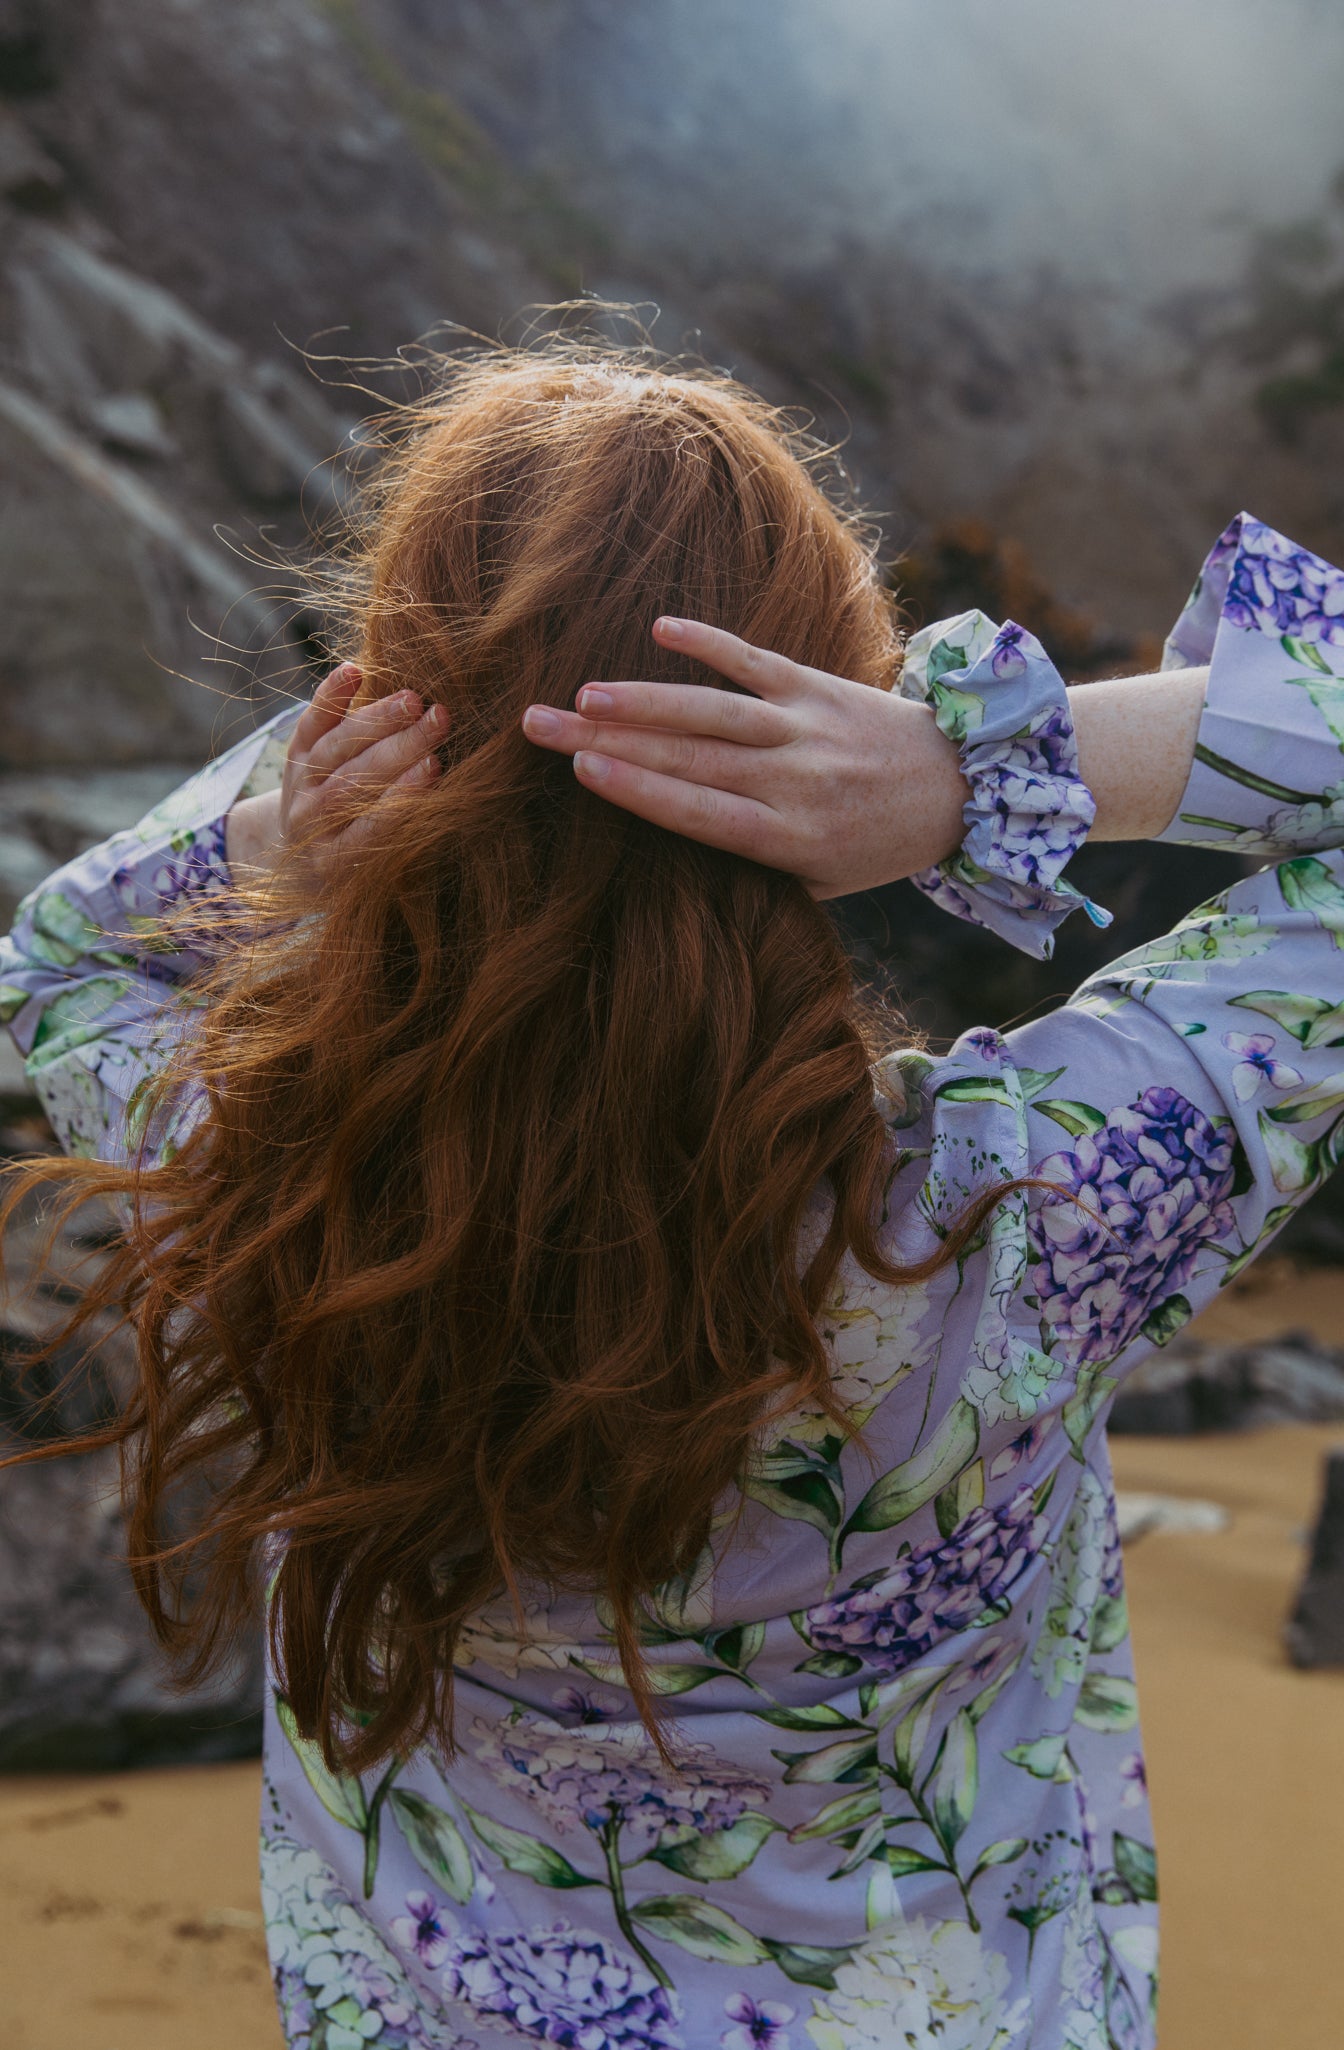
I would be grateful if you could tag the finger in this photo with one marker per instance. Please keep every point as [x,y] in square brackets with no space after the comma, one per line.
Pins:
[689,708]
[716,818]
[326,708]
[721,764]
[384,761]
[756,669]
[421,775]
[361,729]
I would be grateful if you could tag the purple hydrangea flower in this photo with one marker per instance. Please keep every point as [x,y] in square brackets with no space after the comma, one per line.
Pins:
[563,1986]
[424,1929]
[1257,1064]
[892,1619]
[1276,587]
[1148,1190]
[761,2024]
[606,1773]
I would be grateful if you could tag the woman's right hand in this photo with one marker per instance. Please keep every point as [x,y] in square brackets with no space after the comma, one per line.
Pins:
[844,785]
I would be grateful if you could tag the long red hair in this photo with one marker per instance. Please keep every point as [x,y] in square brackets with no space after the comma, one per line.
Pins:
[481,1266]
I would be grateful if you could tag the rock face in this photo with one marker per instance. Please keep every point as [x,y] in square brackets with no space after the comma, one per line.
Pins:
[82,1683]
[1198,1387]
[1315,1631]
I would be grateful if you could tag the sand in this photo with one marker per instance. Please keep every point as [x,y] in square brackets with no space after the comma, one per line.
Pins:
[128,1901]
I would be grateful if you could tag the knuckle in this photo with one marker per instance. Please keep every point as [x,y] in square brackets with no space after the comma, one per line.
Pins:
[704,805]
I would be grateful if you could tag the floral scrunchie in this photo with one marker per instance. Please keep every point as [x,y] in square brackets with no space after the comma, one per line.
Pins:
[995,691]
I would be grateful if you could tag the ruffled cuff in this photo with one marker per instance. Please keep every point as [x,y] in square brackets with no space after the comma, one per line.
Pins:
[995,691]
[1268,772]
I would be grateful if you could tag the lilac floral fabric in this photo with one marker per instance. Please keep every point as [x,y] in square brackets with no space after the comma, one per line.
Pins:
[909,1805]
[996,693]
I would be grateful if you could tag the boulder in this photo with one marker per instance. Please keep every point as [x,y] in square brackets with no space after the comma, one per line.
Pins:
[1201,1387]
[1315,1630]
[82,1683]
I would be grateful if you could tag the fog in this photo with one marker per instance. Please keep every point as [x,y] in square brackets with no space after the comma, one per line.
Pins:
[1130,147]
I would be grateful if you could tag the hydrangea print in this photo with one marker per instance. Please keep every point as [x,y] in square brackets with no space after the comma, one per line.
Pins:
[1035,828]
[926,1986]
[1276,587]
[562,1985]
[1077,1575]
[610,1773]
[337,1984]
[890,1620]
[1147,1191]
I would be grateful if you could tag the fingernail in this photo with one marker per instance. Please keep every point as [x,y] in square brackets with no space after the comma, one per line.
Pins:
[408,702]
[595,767]
[539,723]
[347,675]
[671,629]
[436,718]
[593,701]
[430,767]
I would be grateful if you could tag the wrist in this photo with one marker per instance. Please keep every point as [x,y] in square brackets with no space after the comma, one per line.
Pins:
[252,836]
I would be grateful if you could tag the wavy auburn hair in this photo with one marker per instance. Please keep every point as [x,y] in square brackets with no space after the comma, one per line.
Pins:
[482,1263]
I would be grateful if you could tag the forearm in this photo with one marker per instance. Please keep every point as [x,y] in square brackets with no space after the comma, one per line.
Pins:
[1136,743]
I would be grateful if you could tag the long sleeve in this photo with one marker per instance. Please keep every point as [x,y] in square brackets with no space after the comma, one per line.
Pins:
[94,999]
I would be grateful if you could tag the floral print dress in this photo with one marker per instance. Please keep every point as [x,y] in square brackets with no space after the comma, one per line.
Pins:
[909,1808]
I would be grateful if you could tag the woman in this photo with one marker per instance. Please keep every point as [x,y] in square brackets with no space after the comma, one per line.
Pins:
[677,1447]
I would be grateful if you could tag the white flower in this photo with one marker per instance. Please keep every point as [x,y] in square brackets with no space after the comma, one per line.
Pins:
[924,1986]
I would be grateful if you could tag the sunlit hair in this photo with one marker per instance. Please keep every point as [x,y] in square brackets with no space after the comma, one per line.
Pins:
[484,1263]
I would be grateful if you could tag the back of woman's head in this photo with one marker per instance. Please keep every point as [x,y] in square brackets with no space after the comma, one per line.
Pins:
[487,1259]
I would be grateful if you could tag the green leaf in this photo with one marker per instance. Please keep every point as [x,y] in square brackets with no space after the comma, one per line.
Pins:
[12,1001]
[699,1927]
[809,1964]
[1312,1020]
[912,1732]
[1078,1119]
[1294,1164]
[1107,1701]
[435,1842]
[820,1717]
[1310,657]
[966,1493]
[1110,1623]
[664,1679]
[1165,1319]
[1312,1101]
[1034,1080]
[849,1811]
[1005,1852]
[738,1646]
[340,1795]
[956,1778]
[721,1856]
[831,1665]
[903,1861]
[1137,1865]
[806,1498]
[908,1487]
[859,1847]
[526,1854]
[1083,1408]
[976,1089]
[845,1760]
[1042,1758]
[1308,885]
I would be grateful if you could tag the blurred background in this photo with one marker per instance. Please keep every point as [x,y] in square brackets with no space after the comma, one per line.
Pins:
[1067,287]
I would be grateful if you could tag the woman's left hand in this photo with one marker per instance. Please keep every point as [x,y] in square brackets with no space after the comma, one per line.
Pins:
[844,785]
[338,758]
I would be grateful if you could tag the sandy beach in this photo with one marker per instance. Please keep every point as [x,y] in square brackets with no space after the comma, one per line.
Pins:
[129,1901]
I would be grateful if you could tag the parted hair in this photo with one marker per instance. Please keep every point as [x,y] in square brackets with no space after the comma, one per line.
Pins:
[486,1257]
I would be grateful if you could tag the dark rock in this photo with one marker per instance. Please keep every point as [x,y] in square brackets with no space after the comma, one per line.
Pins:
[82,1683]
[1199,1387]
[1315,1631]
